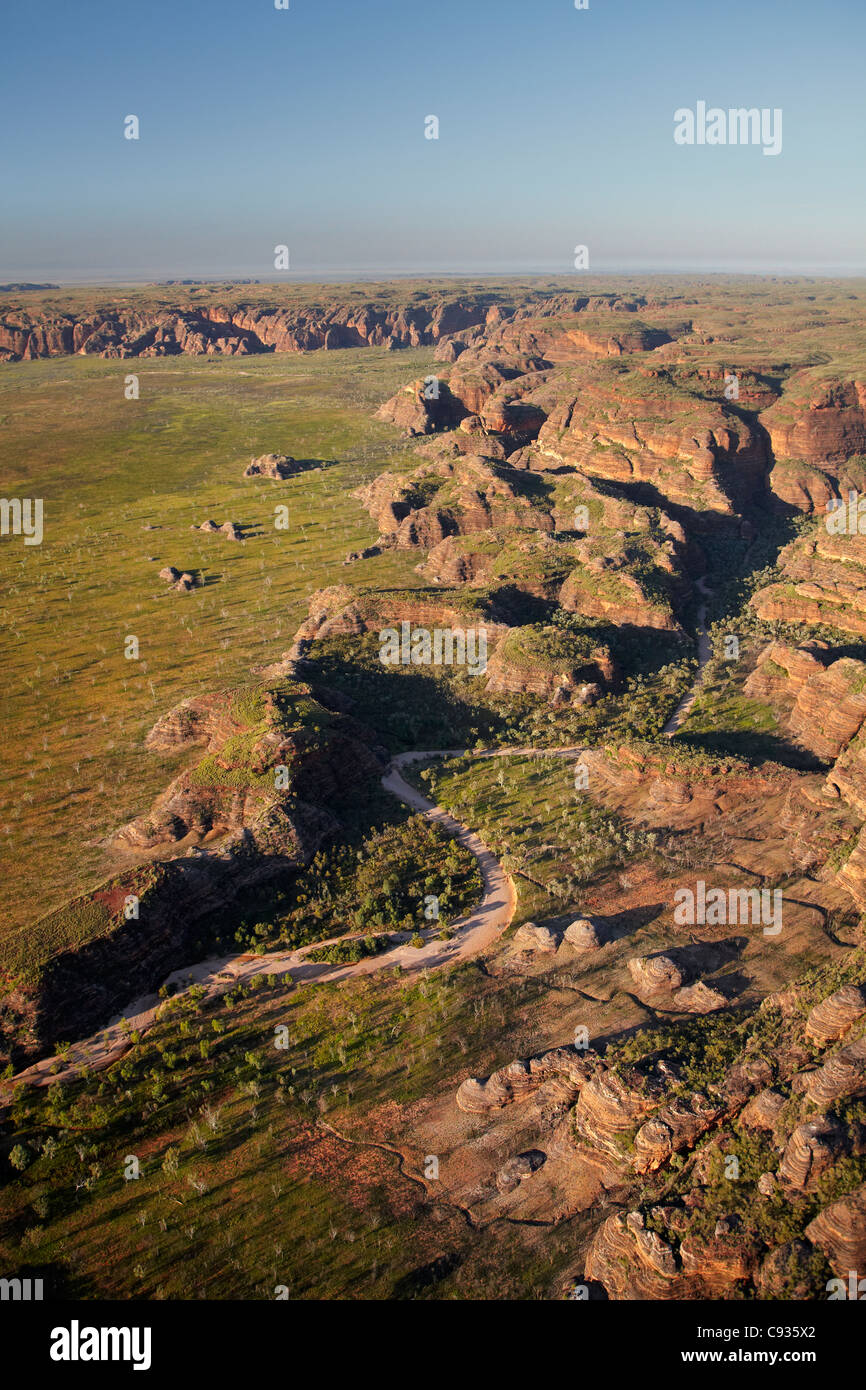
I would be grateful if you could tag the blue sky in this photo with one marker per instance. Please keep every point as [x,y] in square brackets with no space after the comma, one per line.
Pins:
[306,127]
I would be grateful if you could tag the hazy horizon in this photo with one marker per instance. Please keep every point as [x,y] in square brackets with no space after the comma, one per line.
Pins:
[381,275]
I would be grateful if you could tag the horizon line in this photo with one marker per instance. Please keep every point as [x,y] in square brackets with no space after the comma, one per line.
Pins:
[342,275]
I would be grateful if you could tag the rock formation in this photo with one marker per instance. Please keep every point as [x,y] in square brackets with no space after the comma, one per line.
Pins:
[271,466]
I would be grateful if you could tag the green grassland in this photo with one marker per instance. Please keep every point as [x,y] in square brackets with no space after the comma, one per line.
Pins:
[549,836]
[75,710]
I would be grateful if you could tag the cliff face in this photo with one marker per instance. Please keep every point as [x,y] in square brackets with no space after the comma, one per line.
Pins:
[821,701]
[116,331]
[817,436]
[824,701]
[818,420]
[258,746]
[645,430]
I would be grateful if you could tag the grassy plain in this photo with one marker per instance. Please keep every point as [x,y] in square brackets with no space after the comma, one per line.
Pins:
[75,709]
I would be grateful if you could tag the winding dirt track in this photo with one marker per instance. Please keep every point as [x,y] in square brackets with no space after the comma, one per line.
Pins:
[472,934]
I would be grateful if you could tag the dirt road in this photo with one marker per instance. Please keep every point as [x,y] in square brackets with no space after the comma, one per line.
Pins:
[471,935]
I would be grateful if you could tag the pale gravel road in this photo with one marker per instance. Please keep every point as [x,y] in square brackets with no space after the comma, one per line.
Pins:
[472,935]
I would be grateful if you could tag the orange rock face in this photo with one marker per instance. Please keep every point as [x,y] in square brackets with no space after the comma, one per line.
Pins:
[828,424]
[826,704]
[823,583]
[840,1231]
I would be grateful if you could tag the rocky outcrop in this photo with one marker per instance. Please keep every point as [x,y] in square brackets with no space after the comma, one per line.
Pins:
[583,935]
[675,1127]
[654,974]
[451,497]
[520,1079]
[831,1019]
[645,430]
[422,407]
[183,582]
[543,662]
[340,611]
[245,788]
[521,559]
[763,1110]
[811,1151]
[630,1260]
[825,704]
[699,1211]
[823,582]
[633,1261]
[611,1107]
[532,937]
[846,777]
[276,466]
[699,998]
[840,1231]
[512,1083]
[843,1075]
[516,1170]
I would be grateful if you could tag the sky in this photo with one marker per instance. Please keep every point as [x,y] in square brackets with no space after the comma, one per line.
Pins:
[305,127]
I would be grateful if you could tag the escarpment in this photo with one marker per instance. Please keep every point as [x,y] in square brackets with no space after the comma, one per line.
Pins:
[237,329]
[821,419]
[168,320]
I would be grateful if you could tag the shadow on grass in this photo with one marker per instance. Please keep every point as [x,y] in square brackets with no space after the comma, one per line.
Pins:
[753,746]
